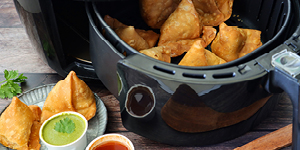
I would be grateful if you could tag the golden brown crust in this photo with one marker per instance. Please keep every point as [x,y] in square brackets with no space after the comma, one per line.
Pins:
[136,38]
[70,94]
[149,36]
[232,42]
[225,6]
[195,56]
[156,12]
[209,12]
[34,140]
[208,34]
[252,43]
[15,125]
[182,24]
[132,38]
[229,42]
[161,53]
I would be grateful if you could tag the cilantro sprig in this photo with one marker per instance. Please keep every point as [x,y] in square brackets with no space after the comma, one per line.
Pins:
[65,125]
[10,87]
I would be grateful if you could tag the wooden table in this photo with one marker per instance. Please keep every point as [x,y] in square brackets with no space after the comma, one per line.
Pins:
[280,117]
[16,53]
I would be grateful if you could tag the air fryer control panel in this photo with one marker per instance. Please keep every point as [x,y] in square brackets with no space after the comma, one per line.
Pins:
[287,61]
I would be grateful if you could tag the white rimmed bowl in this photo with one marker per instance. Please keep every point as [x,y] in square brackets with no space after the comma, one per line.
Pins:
[78,144]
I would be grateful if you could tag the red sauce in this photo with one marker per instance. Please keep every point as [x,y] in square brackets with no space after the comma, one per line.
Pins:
[111,145]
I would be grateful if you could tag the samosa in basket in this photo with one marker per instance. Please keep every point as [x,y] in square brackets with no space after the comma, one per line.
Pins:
[15,125]
[199,56]
[182,24]
[70,94]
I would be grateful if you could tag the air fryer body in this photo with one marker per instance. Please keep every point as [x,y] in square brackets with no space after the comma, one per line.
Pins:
[59,32]
[172,104]
[190,112]
[192,106]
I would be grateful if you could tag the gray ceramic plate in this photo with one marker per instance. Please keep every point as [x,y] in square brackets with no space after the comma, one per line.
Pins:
[38,95]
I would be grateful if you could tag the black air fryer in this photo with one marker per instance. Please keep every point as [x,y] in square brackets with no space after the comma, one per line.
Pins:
[59,32]
[165,102]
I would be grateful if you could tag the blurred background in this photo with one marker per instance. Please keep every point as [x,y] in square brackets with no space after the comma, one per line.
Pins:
[16,52]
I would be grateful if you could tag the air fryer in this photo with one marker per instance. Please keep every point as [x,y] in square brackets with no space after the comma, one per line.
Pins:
[165,102]
[59,32]
[194,106]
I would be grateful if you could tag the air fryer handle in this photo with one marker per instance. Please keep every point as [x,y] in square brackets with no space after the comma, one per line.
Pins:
[291,86]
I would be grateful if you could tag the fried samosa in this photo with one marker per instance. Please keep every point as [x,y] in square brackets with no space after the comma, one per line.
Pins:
[228,42]
[208,34]
[225,6]
[195,56]
[156,12]
[213,59]
[213,12]
[209,12]
[179,47]
[149,36]
[253,41]
[161,53]
[232,42]
[34,140]
[70,94]
[132,38]
[182,24]
[199,56]
[136,38]
[15,125]
[113,23]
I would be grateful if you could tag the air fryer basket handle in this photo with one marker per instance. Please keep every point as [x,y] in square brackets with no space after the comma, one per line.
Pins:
[291,86]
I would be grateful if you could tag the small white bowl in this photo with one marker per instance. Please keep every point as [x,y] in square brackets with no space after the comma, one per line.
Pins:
[110,137]
[78,144]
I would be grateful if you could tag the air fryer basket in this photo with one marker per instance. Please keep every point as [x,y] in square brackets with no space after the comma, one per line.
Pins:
[236,95]
[270,17]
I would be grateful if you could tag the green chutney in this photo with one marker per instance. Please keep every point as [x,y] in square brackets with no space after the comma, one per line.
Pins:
[54,137]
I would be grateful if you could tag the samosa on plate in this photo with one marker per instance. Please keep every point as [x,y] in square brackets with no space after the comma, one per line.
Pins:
[15,125]
[70,94]
[34,139]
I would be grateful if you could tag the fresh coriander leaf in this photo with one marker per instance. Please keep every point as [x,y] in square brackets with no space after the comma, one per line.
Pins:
[65,125]
[2,94]
[6,90]
[10,86]
[10,74]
